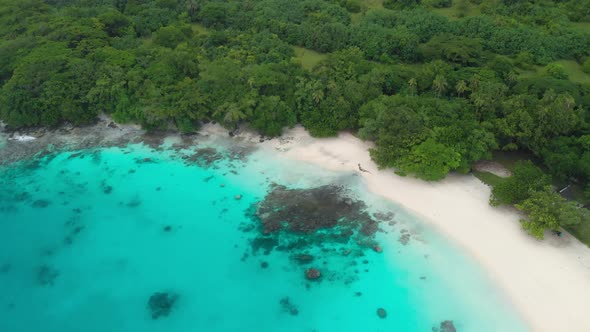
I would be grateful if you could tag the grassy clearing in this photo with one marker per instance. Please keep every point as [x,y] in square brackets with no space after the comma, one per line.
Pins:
[509,159]
[581,232]
[574,71]
[487,178]
[454,12]
[307,57]
[367,5]
[372,3]
[581,26]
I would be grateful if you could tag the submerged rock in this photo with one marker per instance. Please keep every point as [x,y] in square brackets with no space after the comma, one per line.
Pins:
[404,238]
[312,274]
[303,258]
[107,189]
[5,268]
[205,157]
[288,306]
[382,216]
[381,313]
[377,248]
[267,244]
[161,304]
[41,203]
[445,326]
[46,275]
[134,202]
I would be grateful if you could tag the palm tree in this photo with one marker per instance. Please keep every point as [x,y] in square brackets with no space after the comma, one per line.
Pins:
[568,101]
[474,83]
[439,85]
[413,85]
[232,114]
[317,92]
[461,88]
[512,76]
[192,6]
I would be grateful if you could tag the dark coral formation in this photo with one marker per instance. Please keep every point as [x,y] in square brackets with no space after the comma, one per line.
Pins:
[319,224]
[303,258]
[134,202]
[381,313]
[384,216]
[445,326]
[160,304]
[309,210]
[41,203]
[46,275]
[74,232]
[266,244]
[105,187]
[289,307]
[312,274]
[404,237]
[204,157]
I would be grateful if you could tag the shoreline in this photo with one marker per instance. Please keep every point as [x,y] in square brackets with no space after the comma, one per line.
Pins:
[548,281]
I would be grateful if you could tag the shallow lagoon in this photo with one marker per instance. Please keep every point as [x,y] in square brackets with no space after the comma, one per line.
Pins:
[87,237]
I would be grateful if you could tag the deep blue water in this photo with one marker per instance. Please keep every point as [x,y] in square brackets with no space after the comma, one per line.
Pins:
[86,238]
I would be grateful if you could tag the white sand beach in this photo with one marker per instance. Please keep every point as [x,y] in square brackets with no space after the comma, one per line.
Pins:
[548,281]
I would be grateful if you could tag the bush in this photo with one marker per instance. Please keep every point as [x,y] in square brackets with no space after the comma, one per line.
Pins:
[525,180]
[556,70]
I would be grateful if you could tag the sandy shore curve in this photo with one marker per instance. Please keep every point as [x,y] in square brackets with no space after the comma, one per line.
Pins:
[547,281]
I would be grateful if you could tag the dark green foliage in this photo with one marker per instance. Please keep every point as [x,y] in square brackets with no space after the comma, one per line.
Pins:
[399,4]
[215,14]
[525,180]
[427,137]
[271,115]
[114,23]
[329,102]
[546,210]
[462,50]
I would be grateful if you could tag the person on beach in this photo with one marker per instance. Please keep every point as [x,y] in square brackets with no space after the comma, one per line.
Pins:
[362,169]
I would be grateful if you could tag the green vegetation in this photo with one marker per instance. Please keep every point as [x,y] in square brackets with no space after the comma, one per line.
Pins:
[581,231]
[437,84]
[308,58]
[529,190]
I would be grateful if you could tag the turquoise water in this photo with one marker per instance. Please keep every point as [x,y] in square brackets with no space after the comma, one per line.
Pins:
[86,238]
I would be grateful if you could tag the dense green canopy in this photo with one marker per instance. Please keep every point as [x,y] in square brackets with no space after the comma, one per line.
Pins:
[434,92]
